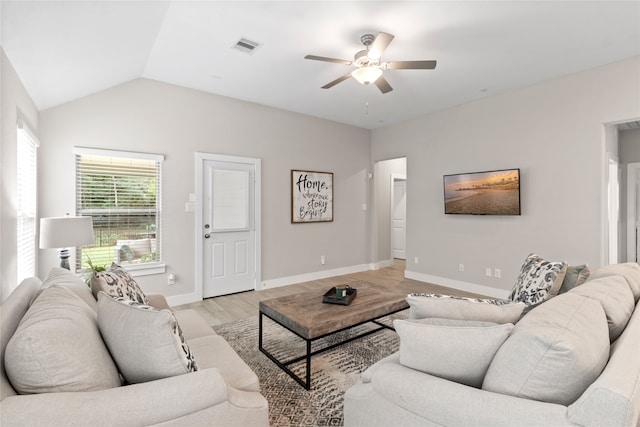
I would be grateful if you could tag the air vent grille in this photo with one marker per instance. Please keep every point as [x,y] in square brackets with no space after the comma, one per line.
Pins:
[246,45]
[629,125]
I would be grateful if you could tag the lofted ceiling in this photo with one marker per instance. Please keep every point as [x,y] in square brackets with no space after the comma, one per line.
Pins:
[66,50]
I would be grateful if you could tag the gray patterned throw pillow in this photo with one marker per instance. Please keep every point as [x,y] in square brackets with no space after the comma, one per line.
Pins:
[117,282]
[538,280]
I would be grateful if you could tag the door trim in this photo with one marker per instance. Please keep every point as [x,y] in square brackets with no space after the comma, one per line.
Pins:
[200,158]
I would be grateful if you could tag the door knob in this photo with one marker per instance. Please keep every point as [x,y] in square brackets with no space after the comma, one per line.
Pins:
[206,236]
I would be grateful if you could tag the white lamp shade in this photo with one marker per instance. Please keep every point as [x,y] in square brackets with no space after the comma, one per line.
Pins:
[367,75]
[66,232]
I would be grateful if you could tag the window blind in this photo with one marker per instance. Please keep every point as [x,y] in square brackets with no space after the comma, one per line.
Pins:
[121,191]
[26,168]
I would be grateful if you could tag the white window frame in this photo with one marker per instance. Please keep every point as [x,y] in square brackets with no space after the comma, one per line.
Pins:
[27,196]
[146,268]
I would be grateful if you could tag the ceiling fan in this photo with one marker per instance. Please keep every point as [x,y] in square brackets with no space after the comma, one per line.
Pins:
[369,67]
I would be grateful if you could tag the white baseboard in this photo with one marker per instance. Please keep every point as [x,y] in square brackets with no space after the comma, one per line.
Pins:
[175,300]
[307,277]
[457,284]
[381,264]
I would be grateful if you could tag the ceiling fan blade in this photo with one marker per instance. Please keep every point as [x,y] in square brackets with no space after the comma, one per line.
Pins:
[411,65]
[383,85]
[379,45]
[322,58]
[336,81]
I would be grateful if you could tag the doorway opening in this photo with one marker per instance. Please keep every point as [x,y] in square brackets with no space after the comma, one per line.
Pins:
[621,210]
[390,194]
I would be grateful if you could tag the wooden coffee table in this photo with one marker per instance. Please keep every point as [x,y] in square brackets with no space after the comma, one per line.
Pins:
[308,317]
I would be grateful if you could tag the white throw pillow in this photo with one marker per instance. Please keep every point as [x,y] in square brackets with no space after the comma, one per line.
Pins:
[454,307]
[554,352]
[457,350]
[538,280]
[57,347]
[146,343]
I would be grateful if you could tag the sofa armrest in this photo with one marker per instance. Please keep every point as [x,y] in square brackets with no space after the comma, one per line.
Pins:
[158,301]
[437,401]
[138,404]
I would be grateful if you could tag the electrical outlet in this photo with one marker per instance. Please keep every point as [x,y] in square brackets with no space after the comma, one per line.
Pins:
[487,271]
[322,259]
[171,279]
[416,260]
[497,273]
[460,267]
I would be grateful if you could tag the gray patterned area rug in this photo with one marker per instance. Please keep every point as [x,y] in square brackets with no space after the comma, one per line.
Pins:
[332,372]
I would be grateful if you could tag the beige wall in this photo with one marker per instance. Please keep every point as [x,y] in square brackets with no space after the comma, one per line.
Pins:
[554,133]
[149,116]
[14,102]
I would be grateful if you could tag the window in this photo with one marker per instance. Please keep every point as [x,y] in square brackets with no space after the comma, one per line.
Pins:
[26,164]
[121,191]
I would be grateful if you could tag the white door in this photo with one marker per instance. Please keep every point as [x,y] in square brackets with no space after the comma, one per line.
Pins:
[228,228]
[399,219]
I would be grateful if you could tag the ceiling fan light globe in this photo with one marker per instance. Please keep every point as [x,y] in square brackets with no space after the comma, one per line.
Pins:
[367,75]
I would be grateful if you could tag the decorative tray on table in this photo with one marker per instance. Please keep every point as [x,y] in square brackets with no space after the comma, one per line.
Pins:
[331,296]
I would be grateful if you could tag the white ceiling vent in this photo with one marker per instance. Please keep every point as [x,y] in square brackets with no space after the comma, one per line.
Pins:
[629,125]
[246,45]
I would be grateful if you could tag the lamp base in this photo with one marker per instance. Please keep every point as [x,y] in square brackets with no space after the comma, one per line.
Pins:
[64,259]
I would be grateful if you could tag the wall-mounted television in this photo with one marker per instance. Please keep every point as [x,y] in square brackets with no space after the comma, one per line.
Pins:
[483,193]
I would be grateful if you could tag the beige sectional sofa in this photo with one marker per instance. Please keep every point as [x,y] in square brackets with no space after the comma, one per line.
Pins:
[78,387]
[574,360]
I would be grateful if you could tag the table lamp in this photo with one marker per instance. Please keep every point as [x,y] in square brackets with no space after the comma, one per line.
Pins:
[65,232]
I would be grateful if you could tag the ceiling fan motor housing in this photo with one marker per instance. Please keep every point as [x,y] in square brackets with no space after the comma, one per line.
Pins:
[362,60]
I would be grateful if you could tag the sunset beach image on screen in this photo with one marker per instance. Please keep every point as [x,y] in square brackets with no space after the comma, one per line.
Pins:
[483,193]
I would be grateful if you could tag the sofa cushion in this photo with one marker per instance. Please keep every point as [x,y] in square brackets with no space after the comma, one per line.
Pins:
[457,350]
[630,271]
[192,324]
[615,296]
[146,343]
[64,277]
[57,347]
[554,352]
[454,307]
[576,275]
[117,282]
[538,280]
[213,351]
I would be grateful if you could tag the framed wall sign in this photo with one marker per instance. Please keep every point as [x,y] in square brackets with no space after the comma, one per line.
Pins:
[311,196]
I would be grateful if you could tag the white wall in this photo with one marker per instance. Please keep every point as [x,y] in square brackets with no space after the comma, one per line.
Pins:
[149,116]
[554,133]
[15,102]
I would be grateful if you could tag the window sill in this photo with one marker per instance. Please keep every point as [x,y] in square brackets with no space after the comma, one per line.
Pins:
[144,269]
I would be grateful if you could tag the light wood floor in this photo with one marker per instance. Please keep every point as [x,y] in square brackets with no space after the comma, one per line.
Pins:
[229,308]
